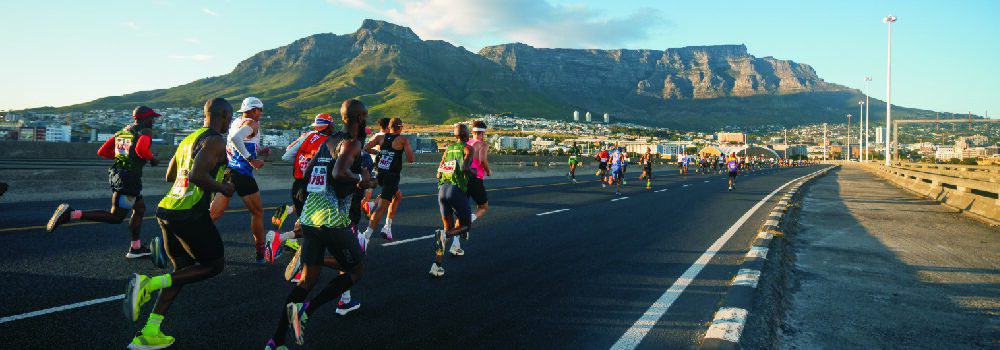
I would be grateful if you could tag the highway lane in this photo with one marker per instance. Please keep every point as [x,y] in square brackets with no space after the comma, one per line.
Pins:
[576,278]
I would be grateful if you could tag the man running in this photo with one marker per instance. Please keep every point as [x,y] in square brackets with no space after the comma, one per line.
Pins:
[242,149]
[325,224]
[602,167]
[647,168]
[685,161]
[733,166]
[130,150]
[479,169]
[453,180]
[573,161]
[617,164]
[389,163]
[190,238]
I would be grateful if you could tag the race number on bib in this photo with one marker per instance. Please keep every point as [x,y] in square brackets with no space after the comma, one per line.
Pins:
[317,180]
[385,160]
[448,167]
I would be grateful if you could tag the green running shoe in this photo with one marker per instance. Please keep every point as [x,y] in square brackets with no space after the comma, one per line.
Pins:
[280,214]
[297,315]
[136,295]
[155,341]
[292,244]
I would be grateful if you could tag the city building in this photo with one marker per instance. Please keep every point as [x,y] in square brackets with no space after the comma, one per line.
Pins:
[576,116]
[513,143]
[607,118]
[588,117]
[731,137]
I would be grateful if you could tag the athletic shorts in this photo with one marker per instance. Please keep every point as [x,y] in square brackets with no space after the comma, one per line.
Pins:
[648,169]
[477,191]
[732,174]
[245,184]
[340,242]
[298,184]
[125,181]
[389,183]
[454,203]
[616,172]
[354,213]
[603,166]
[190,241]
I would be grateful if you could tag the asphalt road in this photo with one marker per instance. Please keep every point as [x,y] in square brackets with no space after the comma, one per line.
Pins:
[574,279]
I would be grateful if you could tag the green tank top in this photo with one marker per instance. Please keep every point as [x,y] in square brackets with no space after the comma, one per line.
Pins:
[184,196]
[572,160]
[452,169]
[328,202]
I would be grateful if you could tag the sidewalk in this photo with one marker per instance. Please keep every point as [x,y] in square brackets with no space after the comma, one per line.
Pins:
[879,268]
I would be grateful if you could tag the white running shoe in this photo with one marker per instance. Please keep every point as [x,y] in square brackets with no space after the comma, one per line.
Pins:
[387,232]
[436,271]
[456,250]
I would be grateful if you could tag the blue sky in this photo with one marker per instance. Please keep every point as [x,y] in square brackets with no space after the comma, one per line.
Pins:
[63,52]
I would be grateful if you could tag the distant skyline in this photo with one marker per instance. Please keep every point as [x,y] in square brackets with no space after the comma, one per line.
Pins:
[58,53]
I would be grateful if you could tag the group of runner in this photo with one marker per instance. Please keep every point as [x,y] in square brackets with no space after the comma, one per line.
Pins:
[334,174]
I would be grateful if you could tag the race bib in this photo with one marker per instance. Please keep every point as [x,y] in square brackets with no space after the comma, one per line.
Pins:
[317,180]
[732,166]
[122,146]
[180,185]
[448,167]
[385,160]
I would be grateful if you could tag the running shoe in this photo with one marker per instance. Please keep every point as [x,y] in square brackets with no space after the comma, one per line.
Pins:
[134,253]
[260,258]
[272,246]
[366,208]
[292,244]
[387,233]
[159,256]
[136,295]
[456,250]
[280,214]
[272,346]
[294,267]
[59,217]
[440,241]
[297,316]
[345,308]
[144,341]
[297,278]
[436,271]
[363,242]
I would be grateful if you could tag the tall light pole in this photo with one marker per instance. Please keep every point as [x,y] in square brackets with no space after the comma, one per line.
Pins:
[861,129]
[848,153]
[868,90]
[825,143]
[890,19]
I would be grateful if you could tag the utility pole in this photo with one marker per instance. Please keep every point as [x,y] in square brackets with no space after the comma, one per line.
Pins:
[786,143]
[868,90]
[825,143]
[890,19]
[847,155]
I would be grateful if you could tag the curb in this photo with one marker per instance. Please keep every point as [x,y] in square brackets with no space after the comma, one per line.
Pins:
[728,322]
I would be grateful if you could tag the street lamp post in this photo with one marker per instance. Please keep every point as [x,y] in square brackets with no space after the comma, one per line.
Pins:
[868,89]
[861,129]
[848,153]
[890,19]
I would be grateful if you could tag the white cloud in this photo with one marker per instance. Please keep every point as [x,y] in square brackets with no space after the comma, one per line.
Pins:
[131,25]
[533,22]
[196,57]
[209,12]
[192,40]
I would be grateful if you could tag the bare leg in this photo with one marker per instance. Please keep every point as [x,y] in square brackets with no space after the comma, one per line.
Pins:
[395,204]
[256,209]
[218,207]
[190,274]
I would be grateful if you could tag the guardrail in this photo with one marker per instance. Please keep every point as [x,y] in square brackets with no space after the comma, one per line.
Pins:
[974,189]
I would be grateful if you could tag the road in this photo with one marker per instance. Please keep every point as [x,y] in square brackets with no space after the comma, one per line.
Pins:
[552,265]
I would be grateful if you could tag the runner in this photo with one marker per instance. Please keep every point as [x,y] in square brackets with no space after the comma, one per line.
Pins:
[452,198]
[383,123]
[602,167]
[390,164]
[130,150]
[189,236]
[325,224]
[573,161]
[647,168]
[625,162]
[479,169]
[242,151]
[617,164]
[685,161]
[733,165]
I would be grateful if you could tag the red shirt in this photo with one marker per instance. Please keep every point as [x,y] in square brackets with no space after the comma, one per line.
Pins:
[306,152]
[603,156]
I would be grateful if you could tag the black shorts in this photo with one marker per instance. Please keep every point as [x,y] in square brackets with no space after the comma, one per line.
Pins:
[340,242]
[476,190]
[390,184]
[732,174]
[648,169]
[245,184]
[125,181]
[603,166]
[298,184]
[354,213]
[190,241]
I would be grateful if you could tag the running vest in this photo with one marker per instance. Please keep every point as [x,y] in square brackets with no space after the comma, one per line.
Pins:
[452,167]
[327,202]
[603,156]
[733,165]
[125,142]
[572,160]
[389,159]
[310,144]
[476,168]
[183,196]
[236,161]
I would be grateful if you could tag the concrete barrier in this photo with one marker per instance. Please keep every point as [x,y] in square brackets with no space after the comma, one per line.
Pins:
[973,189]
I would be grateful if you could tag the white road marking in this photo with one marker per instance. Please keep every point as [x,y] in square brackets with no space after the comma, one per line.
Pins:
[551,212]
[618,199]
[634,335]
[757,252]
[686,185]
[728,324]
[706,181]
[747,277]
[658,191]
[408,240]
[60,308]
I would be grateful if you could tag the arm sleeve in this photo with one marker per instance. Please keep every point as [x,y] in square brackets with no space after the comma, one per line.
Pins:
[293,148]
[107,150]
[236,139]
[142,147]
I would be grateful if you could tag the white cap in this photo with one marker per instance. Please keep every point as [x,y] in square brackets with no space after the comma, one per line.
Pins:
[250,103]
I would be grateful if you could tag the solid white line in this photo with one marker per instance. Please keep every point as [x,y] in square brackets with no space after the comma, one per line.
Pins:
[618,199]
[408,240]
[551,212]
[634,335]
[658,191]
[60,308]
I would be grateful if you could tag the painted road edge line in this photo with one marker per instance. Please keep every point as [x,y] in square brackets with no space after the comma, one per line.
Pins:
[408,240]
[60,308]
[729,321]
[634,335]
[618,199]
[551,212]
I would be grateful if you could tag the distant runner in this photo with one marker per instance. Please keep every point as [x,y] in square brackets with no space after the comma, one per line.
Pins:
[733,166]
[572,162]
[190,238]
[617,164]
[685,162]
[130,150]
[602,167]
[453,180]
[479,169]
[647,168]
[389,163]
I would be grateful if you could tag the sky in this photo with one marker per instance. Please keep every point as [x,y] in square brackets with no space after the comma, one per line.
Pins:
[57,53]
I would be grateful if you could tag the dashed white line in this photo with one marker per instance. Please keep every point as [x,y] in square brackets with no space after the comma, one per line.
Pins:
[60,308]
[706,181]
[408,240]
[686,185]
[618,199]
[551,212]
[658,191]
